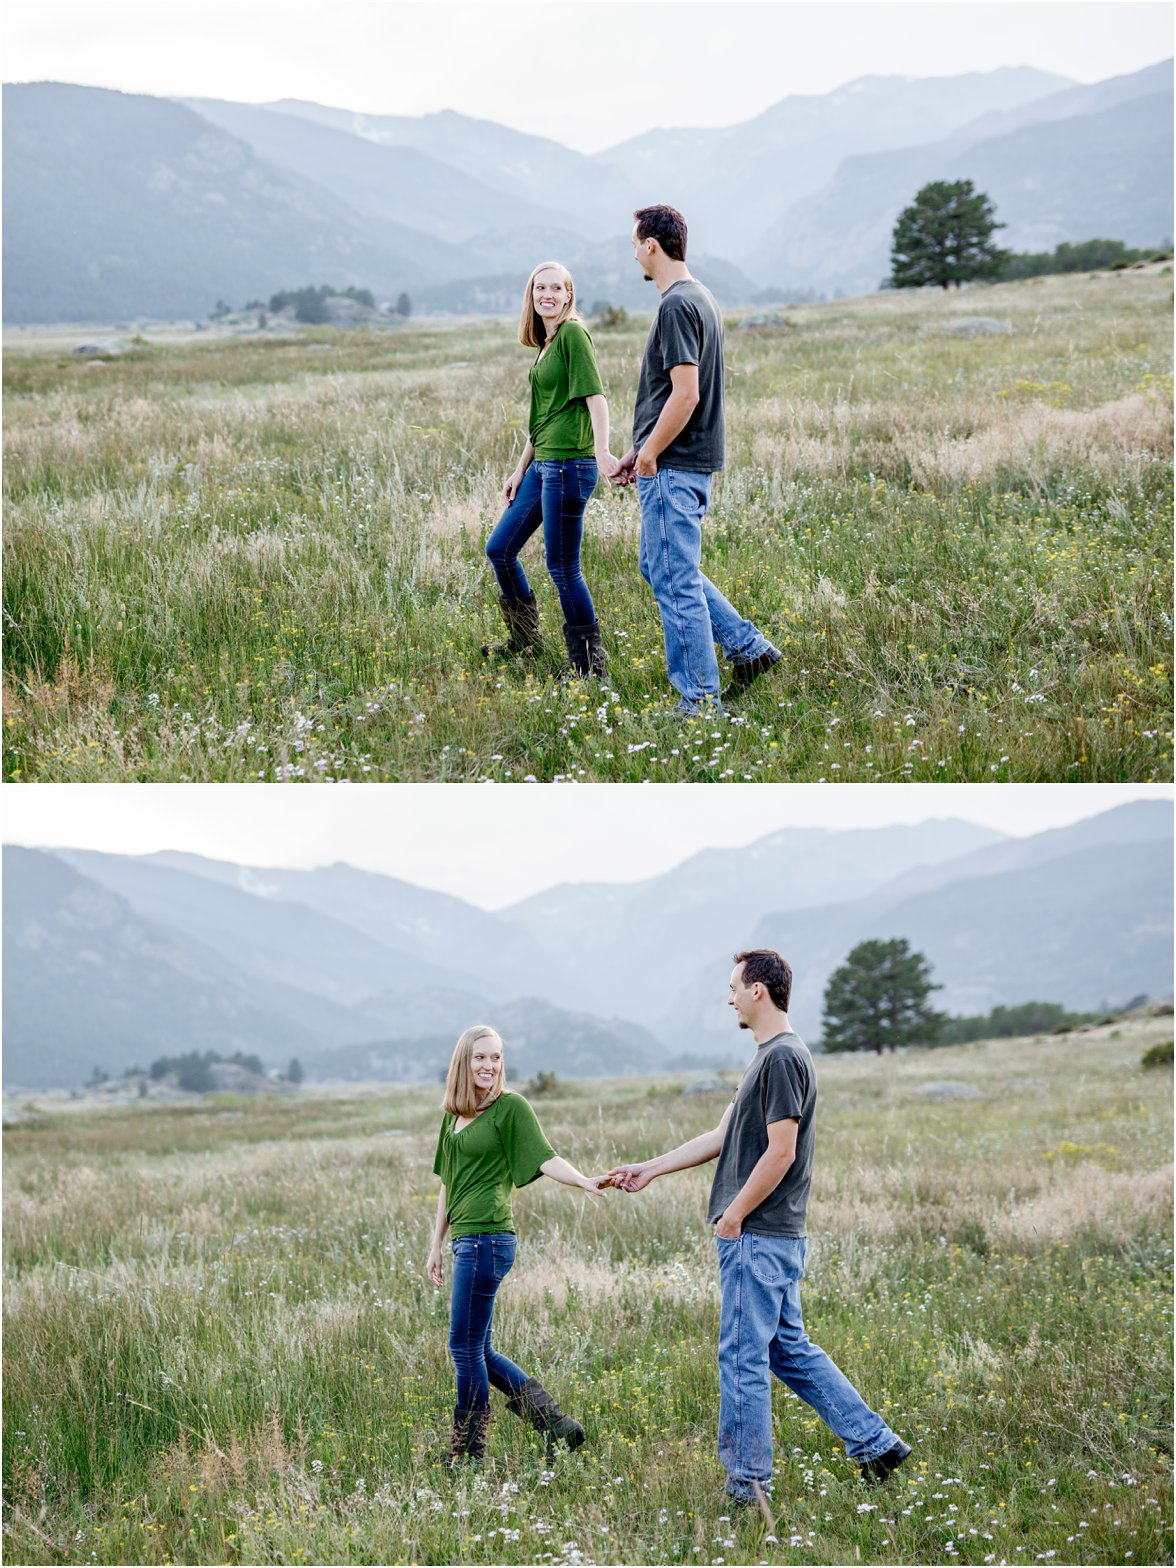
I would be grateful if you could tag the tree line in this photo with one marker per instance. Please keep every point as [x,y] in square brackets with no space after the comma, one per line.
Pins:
[879,1000]
[946,235]
[311,303]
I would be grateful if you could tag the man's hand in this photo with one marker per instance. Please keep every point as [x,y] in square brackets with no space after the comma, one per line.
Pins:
[728,1228]
[623,474]
[630,1178]
[646,464]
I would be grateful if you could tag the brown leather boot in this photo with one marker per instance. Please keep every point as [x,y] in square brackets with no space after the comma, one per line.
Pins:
[468,1438]
[585,650]
[522,622]
[533,1403]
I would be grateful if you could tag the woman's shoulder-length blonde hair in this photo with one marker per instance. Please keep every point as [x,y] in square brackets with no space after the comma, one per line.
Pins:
[532,331]
[461,1094]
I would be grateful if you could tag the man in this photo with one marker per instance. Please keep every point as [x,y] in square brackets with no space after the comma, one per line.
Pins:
[677,446]
[764,1146]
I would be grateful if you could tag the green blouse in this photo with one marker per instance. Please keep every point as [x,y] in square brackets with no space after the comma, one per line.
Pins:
[500,1149]
[560,425]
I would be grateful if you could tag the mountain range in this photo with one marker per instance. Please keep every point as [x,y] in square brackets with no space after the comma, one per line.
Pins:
[115,960]
[121,205]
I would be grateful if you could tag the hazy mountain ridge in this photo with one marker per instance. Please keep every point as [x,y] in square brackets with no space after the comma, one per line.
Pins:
[89,982]
[389,911]
[631,975]
[738,181]
[714,898]
[1083,918]
[120,205]
[92,982]
[1102,172]
[294,945]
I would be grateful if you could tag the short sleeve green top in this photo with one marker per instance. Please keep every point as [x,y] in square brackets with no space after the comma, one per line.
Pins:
[500,1149]
[560,425]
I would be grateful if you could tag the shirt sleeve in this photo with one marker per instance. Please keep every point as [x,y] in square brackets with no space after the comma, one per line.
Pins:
[783,1088]
[681,338]
[438,1158]
[523,1142]
[583,375]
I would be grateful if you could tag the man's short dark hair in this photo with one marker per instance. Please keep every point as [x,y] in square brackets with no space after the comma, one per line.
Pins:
[667,226]
[772,971]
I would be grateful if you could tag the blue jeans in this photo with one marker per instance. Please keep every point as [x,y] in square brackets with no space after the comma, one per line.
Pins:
[694,614]
[553,492]
[760,1331]
[480,1264]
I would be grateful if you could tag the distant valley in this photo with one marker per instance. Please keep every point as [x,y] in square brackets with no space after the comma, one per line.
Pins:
[126,206]
[113,961]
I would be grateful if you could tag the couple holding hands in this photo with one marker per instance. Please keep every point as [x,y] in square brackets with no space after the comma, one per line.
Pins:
[491,1142]
[678,445]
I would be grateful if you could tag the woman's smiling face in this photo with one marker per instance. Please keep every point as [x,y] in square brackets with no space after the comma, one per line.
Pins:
[486,1064]
[550,295]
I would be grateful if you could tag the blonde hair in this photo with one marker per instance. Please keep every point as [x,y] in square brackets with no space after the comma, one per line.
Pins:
[461,1094]
[532,328]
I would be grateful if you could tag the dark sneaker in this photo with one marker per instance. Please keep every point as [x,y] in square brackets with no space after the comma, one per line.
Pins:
[874,1471]
[749,670]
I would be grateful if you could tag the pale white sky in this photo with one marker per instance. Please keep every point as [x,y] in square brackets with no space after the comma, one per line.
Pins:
[494,844]
[588,73]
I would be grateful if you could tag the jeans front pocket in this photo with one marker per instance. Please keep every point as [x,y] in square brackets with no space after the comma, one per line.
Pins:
[587,474]
[502,1248]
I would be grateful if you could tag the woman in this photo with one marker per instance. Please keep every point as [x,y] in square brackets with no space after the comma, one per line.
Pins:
[566,451]
[490,1141]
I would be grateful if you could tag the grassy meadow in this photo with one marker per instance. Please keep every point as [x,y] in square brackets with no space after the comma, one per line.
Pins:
[220,1346]
[257,558]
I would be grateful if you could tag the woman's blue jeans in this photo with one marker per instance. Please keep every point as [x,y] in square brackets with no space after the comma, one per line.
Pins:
[480,1264]
[761,1332]
[553,492]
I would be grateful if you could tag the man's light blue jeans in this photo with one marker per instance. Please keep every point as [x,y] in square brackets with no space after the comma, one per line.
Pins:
[694,614]
[761,1332]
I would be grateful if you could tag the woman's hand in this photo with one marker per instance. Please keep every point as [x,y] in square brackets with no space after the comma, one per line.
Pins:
[630,1178]
[433,1267]
[607,464]
[510,488]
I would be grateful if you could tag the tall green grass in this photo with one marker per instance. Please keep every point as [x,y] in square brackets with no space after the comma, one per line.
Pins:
[254,559]
[220,1345]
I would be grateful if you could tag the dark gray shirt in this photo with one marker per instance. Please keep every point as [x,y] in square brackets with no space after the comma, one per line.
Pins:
[687,330]
[780,1082]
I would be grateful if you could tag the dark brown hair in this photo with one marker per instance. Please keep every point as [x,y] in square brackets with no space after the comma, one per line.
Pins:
[772,971]
[667,226]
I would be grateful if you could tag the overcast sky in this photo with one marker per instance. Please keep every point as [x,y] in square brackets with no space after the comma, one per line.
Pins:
[588,73]
[494,844]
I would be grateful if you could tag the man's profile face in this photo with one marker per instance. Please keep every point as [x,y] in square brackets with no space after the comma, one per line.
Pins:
[741,997]
[641,255]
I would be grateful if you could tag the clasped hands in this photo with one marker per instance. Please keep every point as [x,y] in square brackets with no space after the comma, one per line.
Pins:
[632,1178]
[626,1178]
[626,470]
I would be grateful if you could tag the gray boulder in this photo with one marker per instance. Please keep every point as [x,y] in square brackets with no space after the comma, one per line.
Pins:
[948,1089]
[761,319]
[980,327]
[708,1085]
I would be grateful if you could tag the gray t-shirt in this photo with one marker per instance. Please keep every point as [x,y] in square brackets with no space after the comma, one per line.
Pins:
[687,330]
[780,1082]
